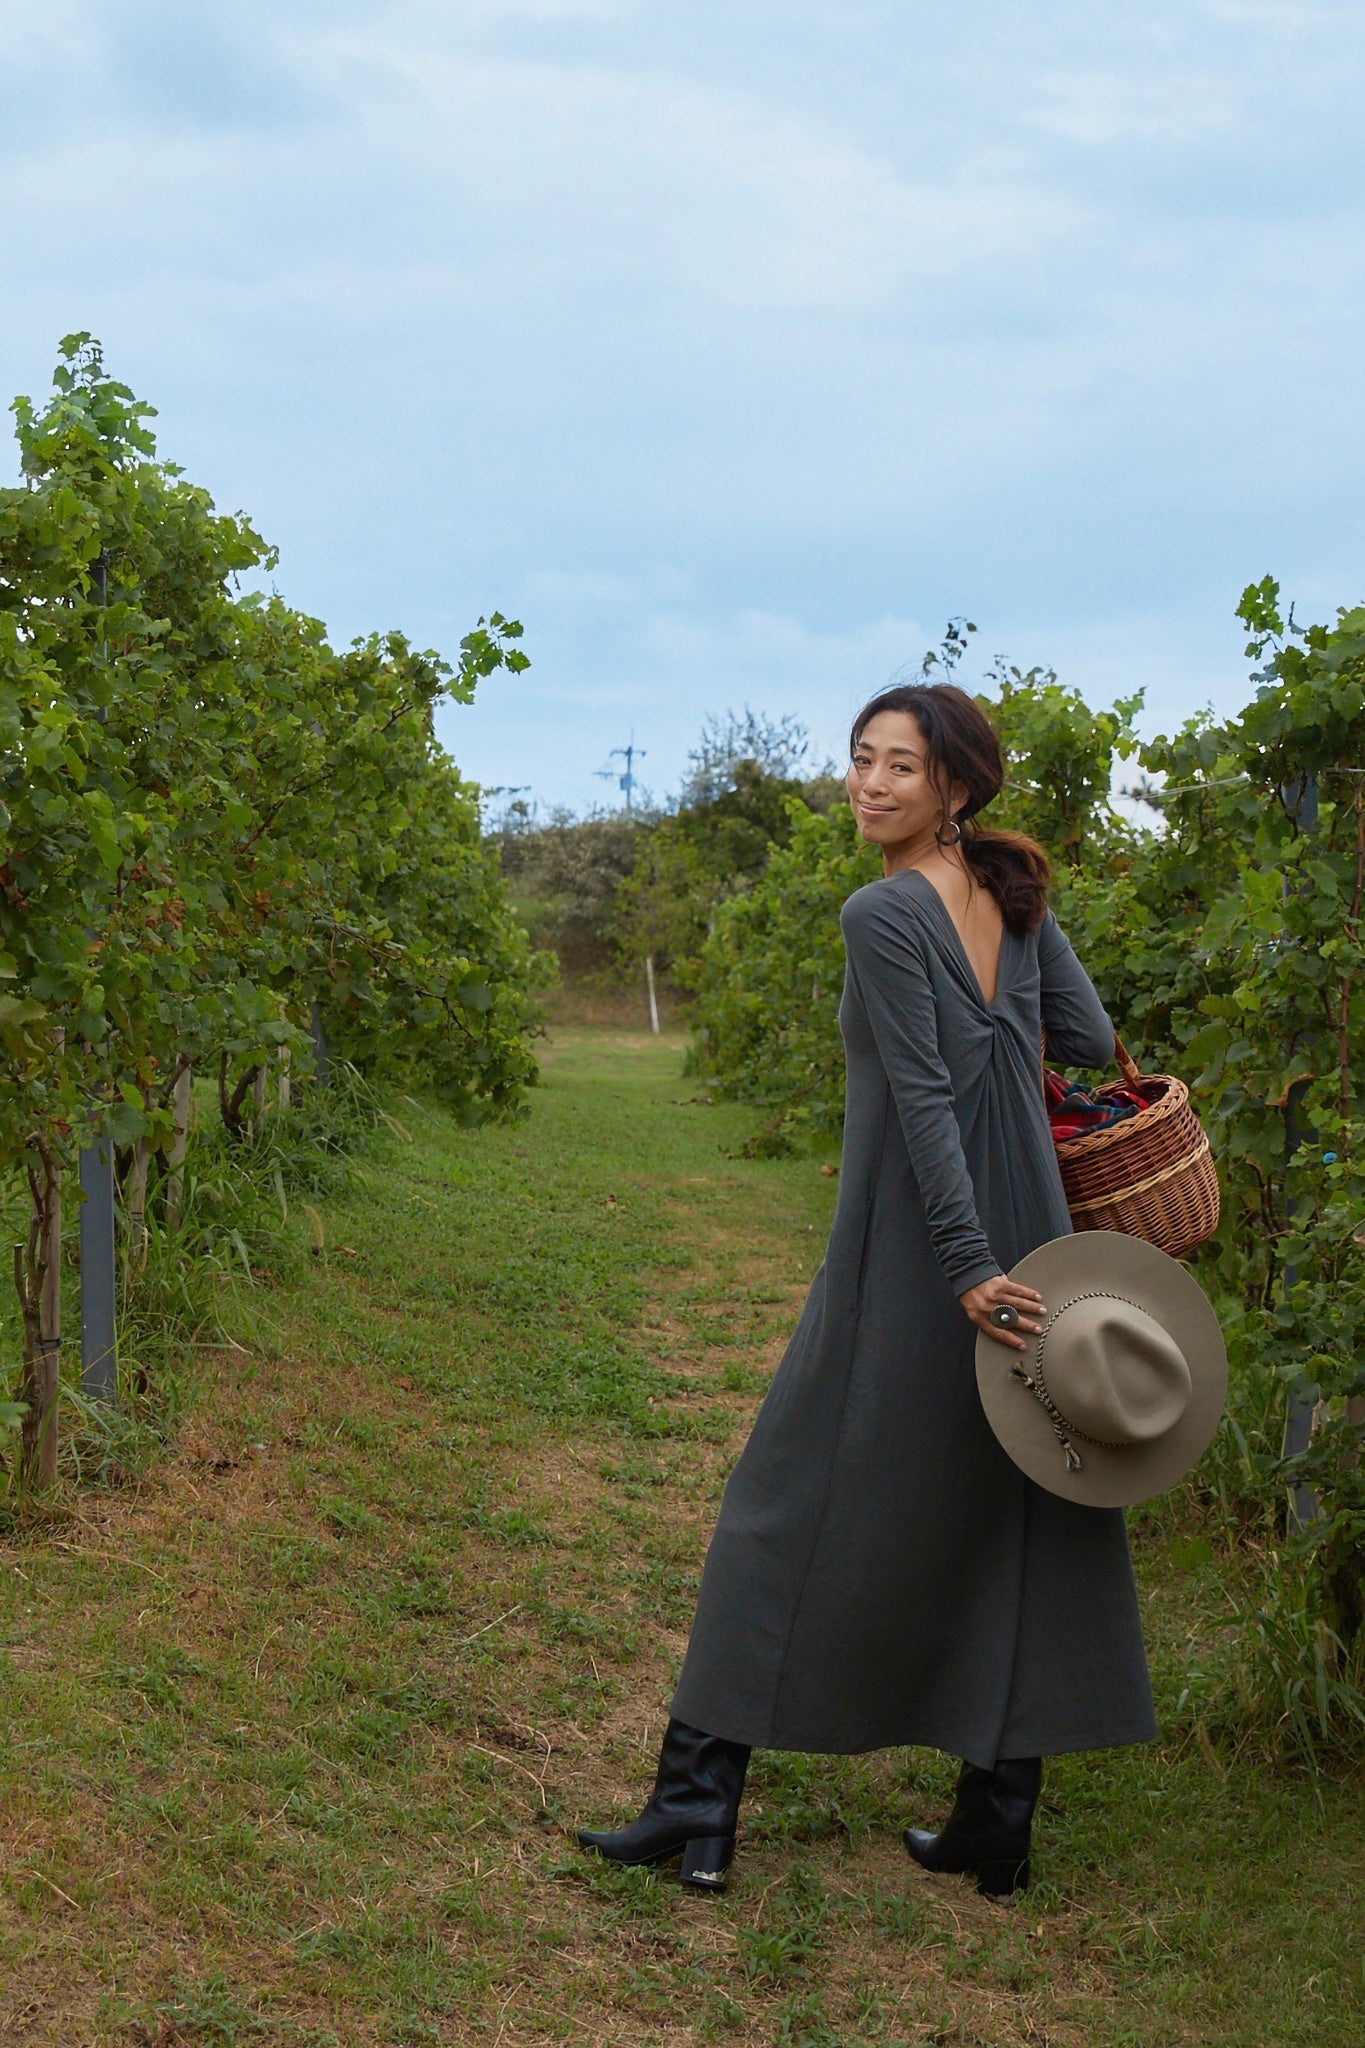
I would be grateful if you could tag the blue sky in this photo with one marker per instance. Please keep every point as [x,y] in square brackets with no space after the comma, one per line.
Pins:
[732,345]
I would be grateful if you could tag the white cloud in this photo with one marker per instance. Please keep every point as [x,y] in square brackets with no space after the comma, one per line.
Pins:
[37,32]
[1283,17]
[659,672]
[579,587]
[1103,108]
[598,593]
[727,344]
[499,11]
[710,192]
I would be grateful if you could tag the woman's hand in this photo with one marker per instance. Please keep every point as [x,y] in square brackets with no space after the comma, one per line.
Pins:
[1026,1301]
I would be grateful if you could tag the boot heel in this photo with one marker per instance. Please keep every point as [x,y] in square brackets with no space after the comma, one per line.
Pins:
[1002,1877]
[706,1861]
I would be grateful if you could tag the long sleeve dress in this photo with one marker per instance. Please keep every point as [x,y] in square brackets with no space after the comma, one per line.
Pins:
[880,1572]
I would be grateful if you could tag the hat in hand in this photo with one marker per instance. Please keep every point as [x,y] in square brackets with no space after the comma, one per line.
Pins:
[1121,1392]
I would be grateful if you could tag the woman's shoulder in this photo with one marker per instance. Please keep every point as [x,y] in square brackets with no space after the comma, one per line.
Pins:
[890,904]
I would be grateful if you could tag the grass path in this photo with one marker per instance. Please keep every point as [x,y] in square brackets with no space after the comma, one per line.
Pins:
[294,1734]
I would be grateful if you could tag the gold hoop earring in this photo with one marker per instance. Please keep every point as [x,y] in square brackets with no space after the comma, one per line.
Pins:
[956,839]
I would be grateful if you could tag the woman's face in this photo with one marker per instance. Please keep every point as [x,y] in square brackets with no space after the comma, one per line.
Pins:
[888,785]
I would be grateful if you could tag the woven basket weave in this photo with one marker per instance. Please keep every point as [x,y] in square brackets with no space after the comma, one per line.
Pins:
[1151,1175]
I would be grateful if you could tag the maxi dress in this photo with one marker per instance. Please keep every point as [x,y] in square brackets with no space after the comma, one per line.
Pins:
[881,1573]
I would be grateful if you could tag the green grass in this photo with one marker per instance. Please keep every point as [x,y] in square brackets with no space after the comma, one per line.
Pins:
[295,1729]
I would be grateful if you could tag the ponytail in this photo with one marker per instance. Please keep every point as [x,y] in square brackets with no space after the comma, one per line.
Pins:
[1016,871]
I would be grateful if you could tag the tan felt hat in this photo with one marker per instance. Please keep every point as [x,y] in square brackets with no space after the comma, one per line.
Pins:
[1121,1392]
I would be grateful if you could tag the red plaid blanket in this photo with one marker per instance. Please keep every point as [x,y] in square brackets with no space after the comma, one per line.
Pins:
[1073,1108]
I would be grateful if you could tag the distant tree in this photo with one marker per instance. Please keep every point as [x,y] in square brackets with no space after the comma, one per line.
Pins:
[563,874]
[606,890]
[693,860]
[777,747]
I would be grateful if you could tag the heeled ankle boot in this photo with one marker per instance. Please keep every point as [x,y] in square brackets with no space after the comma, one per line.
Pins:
[988,1829]
[692,1810]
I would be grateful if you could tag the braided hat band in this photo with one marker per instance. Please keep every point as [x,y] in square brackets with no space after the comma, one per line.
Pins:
[1064,1429]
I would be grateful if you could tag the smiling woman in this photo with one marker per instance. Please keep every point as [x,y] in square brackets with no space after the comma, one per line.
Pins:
[923,814]
[901,805]
[881,1573]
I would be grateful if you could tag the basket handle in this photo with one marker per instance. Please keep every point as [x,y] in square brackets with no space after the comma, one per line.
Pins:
[1127,1065]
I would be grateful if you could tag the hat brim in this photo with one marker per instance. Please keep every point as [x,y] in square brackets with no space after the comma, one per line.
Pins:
[1085,1262]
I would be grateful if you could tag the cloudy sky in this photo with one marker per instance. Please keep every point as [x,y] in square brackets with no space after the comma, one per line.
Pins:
[732,345]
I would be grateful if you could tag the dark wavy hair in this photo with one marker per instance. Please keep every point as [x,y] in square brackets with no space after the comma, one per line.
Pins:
[961,746]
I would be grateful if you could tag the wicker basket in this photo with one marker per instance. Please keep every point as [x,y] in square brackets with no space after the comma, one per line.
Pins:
[1151,1175]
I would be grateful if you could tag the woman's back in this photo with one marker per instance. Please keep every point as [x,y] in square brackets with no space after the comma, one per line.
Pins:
[976,919]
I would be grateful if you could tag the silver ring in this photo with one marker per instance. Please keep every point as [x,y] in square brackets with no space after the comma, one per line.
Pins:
[1005,1316]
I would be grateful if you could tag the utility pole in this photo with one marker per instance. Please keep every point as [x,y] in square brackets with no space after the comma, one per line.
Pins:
[630,755]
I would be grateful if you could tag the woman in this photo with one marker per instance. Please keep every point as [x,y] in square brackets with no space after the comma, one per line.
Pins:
[881,1573]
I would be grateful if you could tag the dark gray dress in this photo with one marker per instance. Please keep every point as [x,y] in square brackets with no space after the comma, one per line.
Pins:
[881,1573]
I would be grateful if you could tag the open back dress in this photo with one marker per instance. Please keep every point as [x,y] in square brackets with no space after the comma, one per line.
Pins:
[880,1572]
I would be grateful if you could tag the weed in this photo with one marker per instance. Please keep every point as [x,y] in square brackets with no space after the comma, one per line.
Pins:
[1274,1679]
[347,1517]
[210,2011]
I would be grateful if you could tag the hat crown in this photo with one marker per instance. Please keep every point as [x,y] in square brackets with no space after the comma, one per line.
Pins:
[1123,1389]
[1116,1374]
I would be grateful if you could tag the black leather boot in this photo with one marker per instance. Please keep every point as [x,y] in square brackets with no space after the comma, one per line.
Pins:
[692,1810]
[988,1828]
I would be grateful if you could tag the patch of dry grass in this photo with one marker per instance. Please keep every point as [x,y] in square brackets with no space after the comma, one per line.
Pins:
[297,1732]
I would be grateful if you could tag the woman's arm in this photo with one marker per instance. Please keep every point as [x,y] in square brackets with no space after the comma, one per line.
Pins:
[1074,1018]
[887,963]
